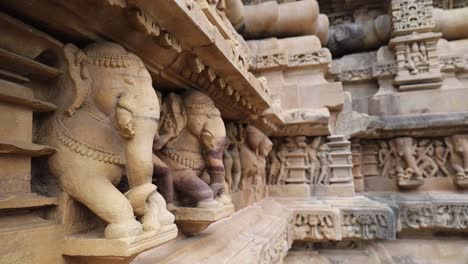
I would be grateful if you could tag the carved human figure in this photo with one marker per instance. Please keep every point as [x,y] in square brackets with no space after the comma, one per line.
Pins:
[282,156]
[253,155]
[274,168]
[325,160]
[192,141]
[458,148]
[106,120]
[311,151]
[386,160]
[228,162]
[406,164]
[236,136]
[440,156]
[416,57]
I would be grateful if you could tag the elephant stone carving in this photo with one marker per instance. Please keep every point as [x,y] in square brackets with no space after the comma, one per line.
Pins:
[253,154]
[191,143]
[458,149]
[408,173]
[107,117]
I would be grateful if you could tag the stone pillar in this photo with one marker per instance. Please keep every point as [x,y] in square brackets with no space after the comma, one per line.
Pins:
[357,175]
[341,166]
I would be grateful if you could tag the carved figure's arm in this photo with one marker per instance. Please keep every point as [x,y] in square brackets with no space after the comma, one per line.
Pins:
[214,157]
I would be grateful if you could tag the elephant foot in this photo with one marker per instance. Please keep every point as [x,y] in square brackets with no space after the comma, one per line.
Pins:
[156,213]
[124,229]
[224,199]
[208,203]
[138,197]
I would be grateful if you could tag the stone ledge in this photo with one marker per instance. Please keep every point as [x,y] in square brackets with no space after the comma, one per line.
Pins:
[94,244]
[259,234]
[436,211]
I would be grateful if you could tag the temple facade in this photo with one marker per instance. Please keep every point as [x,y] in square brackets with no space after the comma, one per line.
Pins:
[233,131]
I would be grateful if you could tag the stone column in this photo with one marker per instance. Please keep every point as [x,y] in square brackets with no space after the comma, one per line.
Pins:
[358,177]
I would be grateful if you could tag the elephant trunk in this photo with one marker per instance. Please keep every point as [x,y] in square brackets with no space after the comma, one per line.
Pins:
[465,158]
[216,168]
[411,162]
[138,152]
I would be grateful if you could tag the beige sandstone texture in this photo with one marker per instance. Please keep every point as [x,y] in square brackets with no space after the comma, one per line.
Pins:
[233,131]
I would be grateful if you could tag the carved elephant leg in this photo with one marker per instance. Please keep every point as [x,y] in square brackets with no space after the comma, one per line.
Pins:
[236,169]
[105,201]
[190,184]
[164,179]
[227,160]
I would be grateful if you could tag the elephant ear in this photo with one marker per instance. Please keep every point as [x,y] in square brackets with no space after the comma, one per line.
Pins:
[79,76]
[316,142]
[448,142]
[173,117]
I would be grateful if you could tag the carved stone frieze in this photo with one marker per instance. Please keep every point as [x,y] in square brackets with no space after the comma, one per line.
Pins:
[145,23]
[278,247]
[299,160]
[271,61]
[367,224]
[412,16]
[384,70]
[309,58]
[317,225]
[435,211]
[355,75]
[411,161]
[285,60]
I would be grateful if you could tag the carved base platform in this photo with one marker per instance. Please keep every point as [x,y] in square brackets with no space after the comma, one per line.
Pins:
[94,243]
[289,190]
[410,184]
[461,182]
[192,220]
[335,190]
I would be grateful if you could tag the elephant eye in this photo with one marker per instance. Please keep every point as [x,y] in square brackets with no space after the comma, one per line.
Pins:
[129,82]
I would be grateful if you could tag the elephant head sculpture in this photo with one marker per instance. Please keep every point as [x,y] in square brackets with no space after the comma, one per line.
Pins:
[408,172]
[458,149]
[191,142]
[108,116]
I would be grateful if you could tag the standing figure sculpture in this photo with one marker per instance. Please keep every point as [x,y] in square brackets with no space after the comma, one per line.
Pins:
[191,142]
[107,117]
[311,151]
[325,161]
[236,136]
